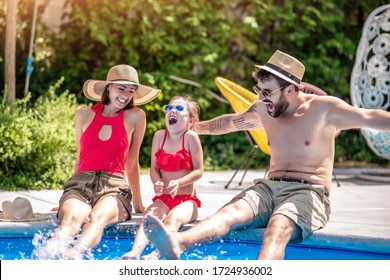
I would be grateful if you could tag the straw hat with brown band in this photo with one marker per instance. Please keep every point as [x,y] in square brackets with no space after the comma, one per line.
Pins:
[286,67]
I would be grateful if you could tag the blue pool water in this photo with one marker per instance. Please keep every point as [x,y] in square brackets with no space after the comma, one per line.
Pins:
[112,248]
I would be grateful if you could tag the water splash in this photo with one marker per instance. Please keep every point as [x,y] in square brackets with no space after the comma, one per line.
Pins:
[50,246]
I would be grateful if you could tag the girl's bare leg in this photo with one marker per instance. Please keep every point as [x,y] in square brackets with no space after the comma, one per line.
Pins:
[158,209]
[235,214]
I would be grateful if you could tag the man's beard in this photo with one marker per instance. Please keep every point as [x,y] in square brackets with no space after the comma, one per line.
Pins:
[279,107]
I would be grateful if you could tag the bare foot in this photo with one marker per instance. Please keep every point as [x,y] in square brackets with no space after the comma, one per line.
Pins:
[130,256]
[165,241]
[155,255]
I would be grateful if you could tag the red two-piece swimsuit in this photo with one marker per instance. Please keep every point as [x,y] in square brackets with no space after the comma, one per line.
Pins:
[170,163]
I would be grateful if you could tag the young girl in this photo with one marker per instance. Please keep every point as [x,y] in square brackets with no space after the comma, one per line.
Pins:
[108,137]
[176,163]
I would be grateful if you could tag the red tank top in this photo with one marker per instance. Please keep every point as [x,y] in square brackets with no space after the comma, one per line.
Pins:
[108,155]
[175,161]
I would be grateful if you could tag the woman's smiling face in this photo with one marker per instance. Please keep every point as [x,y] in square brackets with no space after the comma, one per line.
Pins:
[122,94]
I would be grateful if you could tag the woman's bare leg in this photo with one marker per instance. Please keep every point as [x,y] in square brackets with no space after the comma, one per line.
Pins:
[109,210]
[72,214]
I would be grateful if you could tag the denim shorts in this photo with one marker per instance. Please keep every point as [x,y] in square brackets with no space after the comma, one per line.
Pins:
[91,186]
[307,205]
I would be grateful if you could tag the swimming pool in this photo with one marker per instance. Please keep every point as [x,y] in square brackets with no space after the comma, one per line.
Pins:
[112,248]
[16,243]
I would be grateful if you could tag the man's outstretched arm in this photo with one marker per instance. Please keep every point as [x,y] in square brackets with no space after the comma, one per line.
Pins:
[247,120]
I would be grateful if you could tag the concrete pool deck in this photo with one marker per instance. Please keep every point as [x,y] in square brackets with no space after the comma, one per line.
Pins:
[360,216]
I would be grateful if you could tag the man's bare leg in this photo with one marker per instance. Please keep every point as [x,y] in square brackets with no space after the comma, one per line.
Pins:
[235,214]
[280,230]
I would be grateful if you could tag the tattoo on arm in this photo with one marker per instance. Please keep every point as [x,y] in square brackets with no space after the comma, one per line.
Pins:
[253,108]
[240,124]
[222,125]
[219,125]
[227,123]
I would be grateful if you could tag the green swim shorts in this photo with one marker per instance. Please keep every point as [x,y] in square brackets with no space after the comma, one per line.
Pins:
[306,204]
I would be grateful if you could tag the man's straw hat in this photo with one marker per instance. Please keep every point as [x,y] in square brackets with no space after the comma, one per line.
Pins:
[286,67]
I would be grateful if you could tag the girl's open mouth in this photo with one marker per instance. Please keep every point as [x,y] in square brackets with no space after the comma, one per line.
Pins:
[172,119]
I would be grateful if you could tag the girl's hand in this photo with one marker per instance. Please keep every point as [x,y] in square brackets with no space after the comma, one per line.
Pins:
[173,187]
[158,188]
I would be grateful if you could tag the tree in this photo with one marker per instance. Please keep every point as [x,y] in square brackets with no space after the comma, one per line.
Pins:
[10,50]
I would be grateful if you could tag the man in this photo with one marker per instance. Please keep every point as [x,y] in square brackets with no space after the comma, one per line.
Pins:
[294,200]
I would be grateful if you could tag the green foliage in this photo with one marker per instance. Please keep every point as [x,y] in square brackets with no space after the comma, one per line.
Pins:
[37,148]
[351,146]
[227,152]
[194,39]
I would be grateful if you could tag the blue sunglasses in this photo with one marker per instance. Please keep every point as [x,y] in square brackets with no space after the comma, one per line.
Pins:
[171,107]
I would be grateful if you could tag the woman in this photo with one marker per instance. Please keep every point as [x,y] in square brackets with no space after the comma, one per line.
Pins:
[109,136]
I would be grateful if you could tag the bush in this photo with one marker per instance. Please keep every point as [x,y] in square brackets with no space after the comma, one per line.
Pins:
[196,40]
[37,150]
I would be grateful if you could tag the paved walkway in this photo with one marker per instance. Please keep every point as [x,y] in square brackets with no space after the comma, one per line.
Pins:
[360,208]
